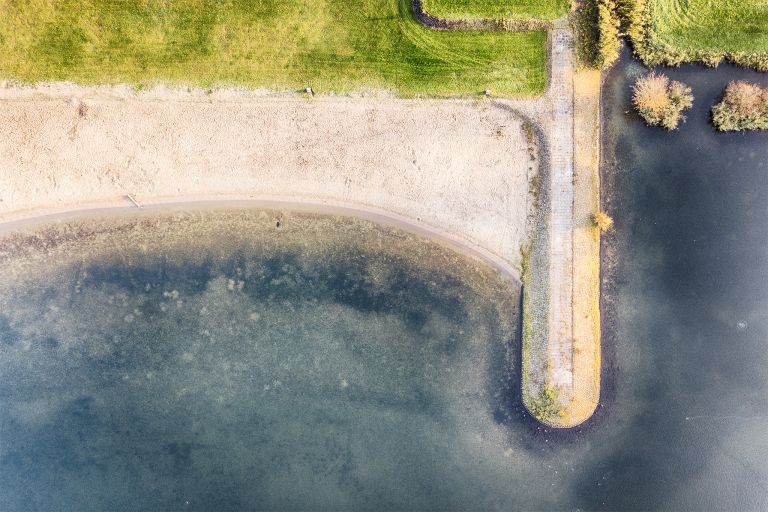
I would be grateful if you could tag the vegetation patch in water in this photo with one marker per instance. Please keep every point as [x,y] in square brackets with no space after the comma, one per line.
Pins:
[661,101]
[744,107]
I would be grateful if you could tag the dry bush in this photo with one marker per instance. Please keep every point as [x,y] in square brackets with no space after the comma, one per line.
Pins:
[609,43]
[744,107]
[746,98]
[602,221]
[661,101]
[651,92]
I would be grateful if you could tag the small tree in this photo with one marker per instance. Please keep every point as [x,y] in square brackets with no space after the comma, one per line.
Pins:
[602,221]
[661,101]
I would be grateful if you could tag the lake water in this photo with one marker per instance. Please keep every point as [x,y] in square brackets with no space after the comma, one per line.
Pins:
[211,360]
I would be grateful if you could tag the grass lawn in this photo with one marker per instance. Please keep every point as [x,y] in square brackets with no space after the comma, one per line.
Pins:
[332,45]
[711,25]
[522,9]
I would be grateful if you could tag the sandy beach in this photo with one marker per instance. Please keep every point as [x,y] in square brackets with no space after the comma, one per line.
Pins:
[461,168]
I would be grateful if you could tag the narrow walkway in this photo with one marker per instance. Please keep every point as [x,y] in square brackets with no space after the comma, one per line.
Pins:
[560,346]
[561,329]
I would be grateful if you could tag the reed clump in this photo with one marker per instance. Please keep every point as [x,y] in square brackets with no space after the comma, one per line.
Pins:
[598,30]
[609,43]
[744,107]
[661,101]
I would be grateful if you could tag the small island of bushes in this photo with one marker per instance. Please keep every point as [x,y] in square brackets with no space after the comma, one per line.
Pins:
[744,107]
[661,101]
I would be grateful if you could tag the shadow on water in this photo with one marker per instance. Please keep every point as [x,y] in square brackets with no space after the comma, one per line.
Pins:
[285,277]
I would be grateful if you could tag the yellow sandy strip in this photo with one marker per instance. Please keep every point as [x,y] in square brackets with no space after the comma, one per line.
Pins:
[586,248]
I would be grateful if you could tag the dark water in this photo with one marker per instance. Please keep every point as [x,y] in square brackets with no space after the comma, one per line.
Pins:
[686,304]
[209,361]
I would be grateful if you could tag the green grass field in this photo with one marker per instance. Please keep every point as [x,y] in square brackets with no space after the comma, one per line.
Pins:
[522,9]
[332,45]
[712,25]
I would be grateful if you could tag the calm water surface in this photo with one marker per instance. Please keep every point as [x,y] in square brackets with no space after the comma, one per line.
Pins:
[209,360]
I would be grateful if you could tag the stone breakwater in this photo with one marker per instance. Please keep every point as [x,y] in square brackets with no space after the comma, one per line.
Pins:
[561,317]
[561,320]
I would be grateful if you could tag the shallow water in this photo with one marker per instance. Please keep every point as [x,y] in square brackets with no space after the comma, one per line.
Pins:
[207,360]
[212,360]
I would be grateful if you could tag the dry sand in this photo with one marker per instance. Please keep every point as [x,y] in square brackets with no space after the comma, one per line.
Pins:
[460,167]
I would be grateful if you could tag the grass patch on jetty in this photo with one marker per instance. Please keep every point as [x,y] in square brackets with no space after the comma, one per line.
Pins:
[674,31]
[331,45]
[518,9]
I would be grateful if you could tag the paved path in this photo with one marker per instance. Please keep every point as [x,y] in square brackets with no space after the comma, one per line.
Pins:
[560,329]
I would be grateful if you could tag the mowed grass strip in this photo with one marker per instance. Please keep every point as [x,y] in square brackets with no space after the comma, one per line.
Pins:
[331,45]
[515,9]
[721,25]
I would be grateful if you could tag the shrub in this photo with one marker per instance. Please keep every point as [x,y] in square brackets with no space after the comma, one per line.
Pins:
[744,107]
[712,59]
[602,221]
[587,33]
[661,102]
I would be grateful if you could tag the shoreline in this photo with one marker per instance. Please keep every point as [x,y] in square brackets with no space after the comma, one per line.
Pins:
[463,167]
[385,218]
[458,171]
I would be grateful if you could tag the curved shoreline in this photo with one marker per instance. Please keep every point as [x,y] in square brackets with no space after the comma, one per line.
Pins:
[553,358]
[323,207]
